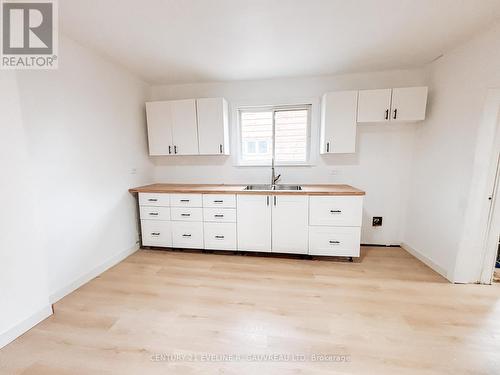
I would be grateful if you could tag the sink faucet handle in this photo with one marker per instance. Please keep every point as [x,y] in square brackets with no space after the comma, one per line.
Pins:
[276,178]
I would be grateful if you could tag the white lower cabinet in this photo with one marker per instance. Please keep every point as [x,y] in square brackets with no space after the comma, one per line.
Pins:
[334,241]
[281,223]
[220,236]
[155,213]
[290,224]
[335,225]
[253,214]
[221,215]
[187,234]
[186,214]
[336,210]
[156,233]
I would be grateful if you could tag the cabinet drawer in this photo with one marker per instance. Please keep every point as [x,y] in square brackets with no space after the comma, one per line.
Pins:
[185,200]
[186,214]
[154,199]
[221,215]
[335,211]
[156,233]
[334,241]
[155,213]
[219,200]
[220,236]
[187,235]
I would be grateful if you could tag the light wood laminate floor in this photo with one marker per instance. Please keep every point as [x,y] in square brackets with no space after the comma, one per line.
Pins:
[388,314]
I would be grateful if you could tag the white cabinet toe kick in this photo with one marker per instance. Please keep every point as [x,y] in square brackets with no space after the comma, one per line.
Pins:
[300,224]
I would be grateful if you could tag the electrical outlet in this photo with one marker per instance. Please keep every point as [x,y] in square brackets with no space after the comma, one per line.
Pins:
[377,221]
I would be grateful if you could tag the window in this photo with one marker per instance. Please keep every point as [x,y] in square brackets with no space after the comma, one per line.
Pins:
[281,132]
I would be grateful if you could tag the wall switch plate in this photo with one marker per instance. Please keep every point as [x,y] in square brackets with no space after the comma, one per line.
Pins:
[377,221]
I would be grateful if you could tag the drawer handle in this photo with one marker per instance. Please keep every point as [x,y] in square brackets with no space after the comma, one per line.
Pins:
[335,211]
[184,200]
[185,214]
[186,235]
[155,233]
[219,237]
[152,199]
[334,242]
[153,213]
[219,201]
[218,215]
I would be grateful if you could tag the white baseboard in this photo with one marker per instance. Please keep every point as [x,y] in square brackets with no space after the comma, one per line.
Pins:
[20,328]
[85,278]
[427,261]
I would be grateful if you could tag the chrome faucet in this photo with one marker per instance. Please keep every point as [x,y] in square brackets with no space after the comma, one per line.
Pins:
[274,178]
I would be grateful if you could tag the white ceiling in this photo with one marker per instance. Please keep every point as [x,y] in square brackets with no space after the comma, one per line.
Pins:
[177,41]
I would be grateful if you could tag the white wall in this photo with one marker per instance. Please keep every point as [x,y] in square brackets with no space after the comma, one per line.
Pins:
[381,166]
[23,270]
[86,129]
[444,156]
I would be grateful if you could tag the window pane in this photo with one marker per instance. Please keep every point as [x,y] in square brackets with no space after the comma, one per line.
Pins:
[256,128]
[263,147]
[291,135]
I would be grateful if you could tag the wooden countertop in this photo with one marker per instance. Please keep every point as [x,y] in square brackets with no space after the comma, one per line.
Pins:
[240,189]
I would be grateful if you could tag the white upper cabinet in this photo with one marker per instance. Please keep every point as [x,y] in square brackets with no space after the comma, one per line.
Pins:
[395,105]
[290,224]
[409,104]
[159,116]
[184,127]
[188,127]
[338,122]
[213,134]
[374,105]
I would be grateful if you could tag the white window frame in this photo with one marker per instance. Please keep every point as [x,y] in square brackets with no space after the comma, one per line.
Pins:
[311,105]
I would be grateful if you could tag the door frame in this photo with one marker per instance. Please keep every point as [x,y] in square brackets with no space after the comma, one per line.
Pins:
[491,209]
[473,263]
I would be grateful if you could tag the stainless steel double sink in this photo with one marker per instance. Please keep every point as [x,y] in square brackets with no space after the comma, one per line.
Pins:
[265,187]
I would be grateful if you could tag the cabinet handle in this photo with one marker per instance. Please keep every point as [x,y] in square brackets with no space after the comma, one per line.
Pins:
[334,242]
[186,235]
[175,149]
[218,201]
[274,200]
[327,146]
[185,214]
[184,200]
[220,148]
[219,237]
[395,114]
[153,213]
[335,211]
[155,233]
[267,200]
[387,114]
[218,215]
[169,150]
[152,199]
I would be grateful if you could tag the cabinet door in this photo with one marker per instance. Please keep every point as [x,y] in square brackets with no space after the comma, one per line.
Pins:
[409,103]
[159,118]
[213,133]
[338,122]
[184,128]
[254,222]
[374,105]
[290,224]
